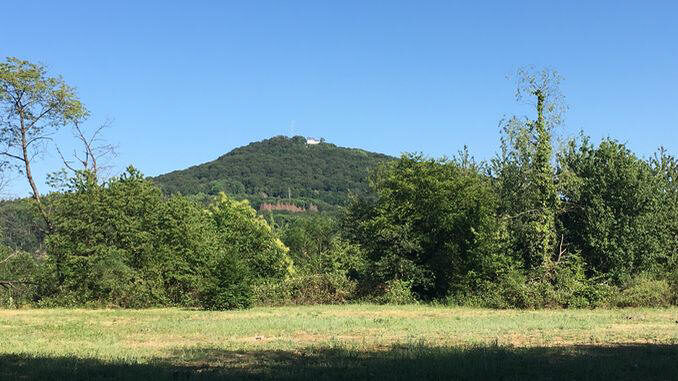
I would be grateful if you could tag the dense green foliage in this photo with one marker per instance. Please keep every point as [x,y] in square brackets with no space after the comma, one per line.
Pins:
[21,226]
[443,229]
[598,227]
[125,244]
[251,255]
[17,275]
[581,226]
[247,236]
[279,167]
[327,267]
[431,225]
[622,212]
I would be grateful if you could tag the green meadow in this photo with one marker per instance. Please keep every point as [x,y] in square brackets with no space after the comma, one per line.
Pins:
[339,342]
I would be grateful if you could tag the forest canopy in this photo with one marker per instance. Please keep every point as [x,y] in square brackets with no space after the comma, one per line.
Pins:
[280,167]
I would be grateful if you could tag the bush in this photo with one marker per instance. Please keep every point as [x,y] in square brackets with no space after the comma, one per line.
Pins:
[565,285]
[569,283]
[562,285]
[228,286]
[125,244]
[598,295]
[397,292]
[247,236]
[673,282]
[645,291]
[17,266]
[506,291]
[329,288]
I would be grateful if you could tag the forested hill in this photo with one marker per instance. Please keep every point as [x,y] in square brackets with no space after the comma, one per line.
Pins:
[279,167]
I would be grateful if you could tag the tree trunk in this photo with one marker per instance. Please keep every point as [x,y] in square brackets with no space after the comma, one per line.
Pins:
[29,175]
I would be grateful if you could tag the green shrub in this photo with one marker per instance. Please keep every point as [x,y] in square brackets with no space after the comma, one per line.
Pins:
[250,257]
[645,291]
[562,285]
[125,244]
[105,280]
[329,288]
[599,295]
[570,287]
[247,236]
[228,286]
[673,282]
[317,248]
[270,292]
[508,291]
[17,266]
[397,292]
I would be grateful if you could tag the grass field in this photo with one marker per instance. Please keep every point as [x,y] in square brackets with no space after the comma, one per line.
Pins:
[339,342]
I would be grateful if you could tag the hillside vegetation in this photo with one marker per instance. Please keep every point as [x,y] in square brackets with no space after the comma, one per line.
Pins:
[279,167]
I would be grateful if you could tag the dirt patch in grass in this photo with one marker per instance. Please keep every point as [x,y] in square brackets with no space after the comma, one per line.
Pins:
[156,342]
[114,321]
[415,313]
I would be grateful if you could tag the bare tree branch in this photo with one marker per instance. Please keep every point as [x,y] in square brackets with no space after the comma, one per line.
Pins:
[92,152]
[66,162]
[561,250]
[13,283]
[43,113]
[8,257]
[12,156]
[38,138]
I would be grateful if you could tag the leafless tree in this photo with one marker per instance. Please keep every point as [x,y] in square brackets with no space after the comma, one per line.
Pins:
[94,153]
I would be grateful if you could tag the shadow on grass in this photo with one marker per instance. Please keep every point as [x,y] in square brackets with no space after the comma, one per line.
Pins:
[409,362]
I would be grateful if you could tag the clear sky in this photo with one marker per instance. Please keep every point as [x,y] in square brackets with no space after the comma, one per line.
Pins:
[186,81]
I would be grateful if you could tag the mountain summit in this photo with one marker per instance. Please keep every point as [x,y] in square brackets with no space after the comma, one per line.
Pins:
[280,168]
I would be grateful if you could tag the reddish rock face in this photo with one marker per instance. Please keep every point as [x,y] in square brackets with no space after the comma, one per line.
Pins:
[266,207]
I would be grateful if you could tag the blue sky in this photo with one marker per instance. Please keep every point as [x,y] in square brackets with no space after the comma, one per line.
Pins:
[185,82]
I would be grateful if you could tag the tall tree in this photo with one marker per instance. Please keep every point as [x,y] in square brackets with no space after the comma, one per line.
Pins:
[524,169]
[34,105]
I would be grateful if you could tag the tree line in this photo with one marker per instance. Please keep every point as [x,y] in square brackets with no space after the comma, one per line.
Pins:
[542,224]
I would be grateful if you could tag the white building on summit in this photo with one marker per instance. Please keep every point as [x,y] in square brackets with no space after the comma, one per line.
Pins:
[310,140]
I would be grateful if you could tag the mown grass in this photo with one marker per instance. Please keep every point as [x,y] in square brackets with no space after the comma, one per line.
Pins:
[339,342]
